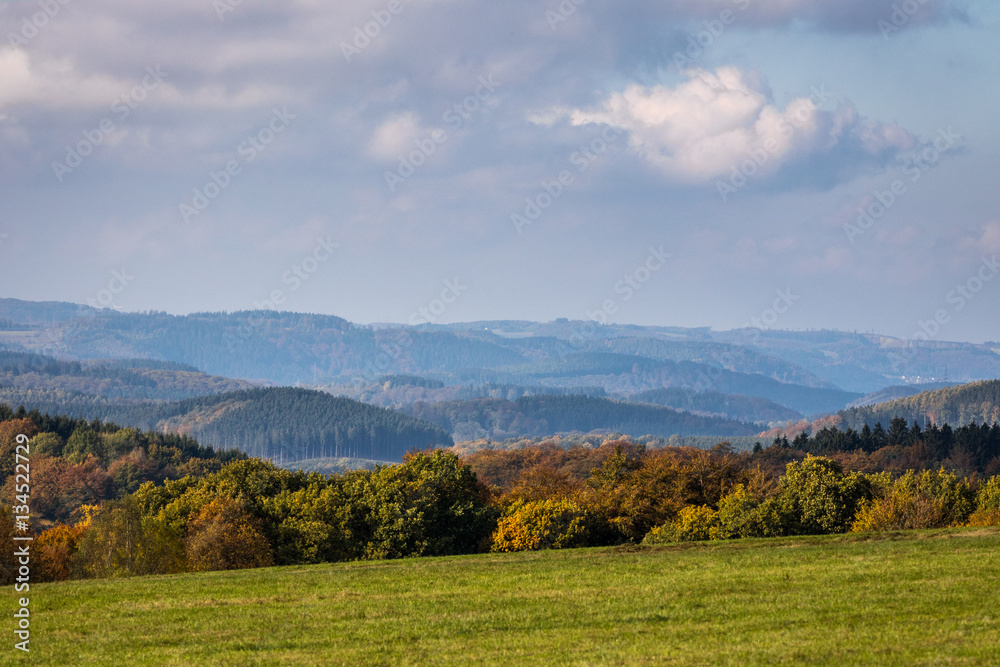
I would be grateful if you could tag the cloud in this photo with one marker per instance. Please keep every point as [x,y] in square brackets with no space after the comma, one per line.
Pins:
[394,137]
[841,15]
[710,124]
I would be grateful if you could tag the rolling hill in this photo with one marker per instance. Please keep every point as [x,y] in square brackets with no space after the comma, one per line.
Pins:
[546,415]
[956,406]
[282,424]
[713,403]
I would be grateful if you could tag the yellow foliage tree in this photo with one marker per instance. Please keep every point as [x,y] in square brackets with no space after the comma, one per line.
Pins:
[542,524]
[694,523]
[987,504]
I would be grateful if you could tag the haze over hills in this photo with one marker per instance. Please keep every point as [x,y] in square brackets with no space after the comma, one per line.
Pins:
[465,381]
[439,384]
[285,348]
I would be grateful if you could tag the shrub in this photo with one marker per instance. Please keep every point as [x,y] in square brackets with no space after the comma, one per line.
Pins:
[694,523]
[931,499]
[744,514]
[987,504]
[819,498]
[542,524]
[55,549]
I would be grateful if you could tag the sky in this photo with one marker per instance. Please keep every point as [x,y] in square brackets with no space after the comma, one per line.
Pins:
[792,163]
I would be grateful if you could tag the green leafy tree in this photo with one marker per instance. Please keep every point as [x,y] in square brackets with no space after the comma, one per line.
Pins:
[819,497]
[122,542]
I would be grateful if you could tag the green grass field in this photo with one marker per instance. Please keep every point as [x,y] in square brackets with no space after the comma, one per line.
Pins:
[928,597]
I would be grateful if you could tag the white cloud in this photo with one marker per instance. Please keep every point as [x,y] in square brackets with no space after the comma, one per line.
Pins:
[705,126]
[395,136]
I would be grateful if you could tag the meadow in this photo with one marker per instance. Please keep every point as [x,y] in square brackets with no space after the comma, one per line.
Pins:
[896,598]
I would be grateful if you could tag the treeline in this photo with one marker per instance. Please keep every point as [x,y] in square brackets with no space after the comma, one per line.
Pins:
[753,409]
[976,402]
[970,448]
[287,424]
[283,423]
[75,462]
[23,373]
[252,514]
[747,359]
[540,415]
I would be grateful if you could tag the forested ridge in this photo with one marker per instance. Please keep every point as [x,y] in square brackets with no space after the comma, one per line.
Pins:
[731,406]
[131,379]
[977,401]
[540,415]
[281,423]
[293,348]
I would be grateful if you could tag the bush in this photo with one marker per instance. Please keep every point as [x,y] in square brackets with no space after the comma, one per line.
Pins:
[55,549]
[987,504]
[694,523]
[819,498]
[744,514]
[931,499]
[542,524]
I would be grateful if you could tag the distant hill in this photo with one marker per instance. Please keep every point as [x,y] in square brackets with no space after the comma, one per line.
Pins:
[729,406]
[956,406]
[898,391]
[547,415]
[110,379]
[630,374]
[283,424]
[790,368]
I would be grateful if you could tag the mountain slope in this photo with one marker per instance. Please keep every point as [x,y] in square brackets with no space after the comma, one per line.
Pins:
[283,423]
[110,379]
[978,401]
[729,406]
[546,415]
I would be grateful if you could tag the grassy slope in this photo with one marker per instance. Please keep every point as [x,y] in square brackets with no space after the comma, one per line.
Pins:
[905,598]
